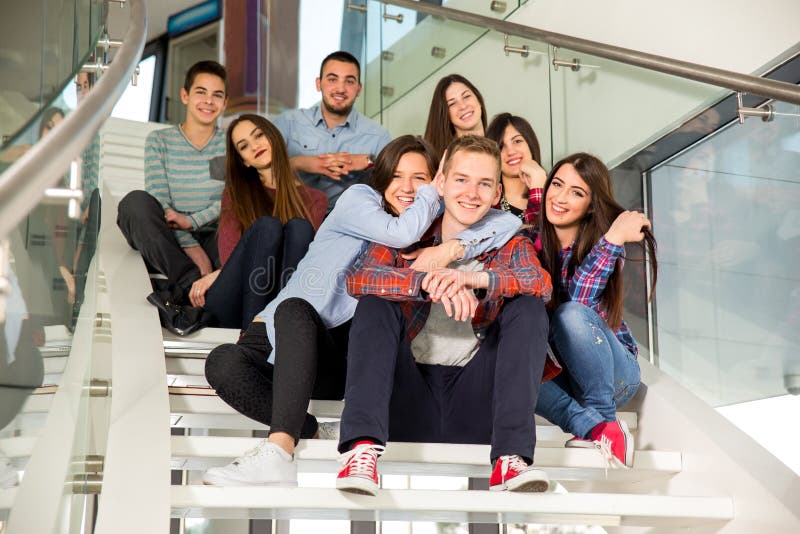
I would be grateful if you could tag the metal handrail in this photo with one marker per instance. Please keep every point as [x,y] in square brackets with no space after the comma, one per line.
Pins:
[24,182]
[734,81]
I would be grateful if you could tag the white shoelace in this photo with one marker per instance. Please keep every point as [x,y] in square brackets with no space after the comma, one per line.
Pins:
[509,462]
[604,446]
[250,454]
[362,459]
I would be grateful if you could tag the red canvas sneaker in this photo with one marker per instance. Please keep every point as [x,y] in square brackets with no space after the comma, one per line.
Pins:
[360,471]
[513,474]
[615,443]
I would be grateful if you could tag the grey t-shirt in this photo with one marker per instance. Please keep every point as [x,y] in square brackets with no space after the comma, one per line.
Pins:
[443,340]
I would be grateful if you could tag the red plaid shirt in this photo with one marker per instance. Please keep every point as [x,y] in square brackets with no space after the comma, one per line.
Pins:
[513,269]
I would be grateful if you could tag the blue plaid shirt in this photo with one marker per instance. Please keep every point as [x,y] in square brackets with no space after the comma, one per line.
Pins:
[589,281]
[590,278]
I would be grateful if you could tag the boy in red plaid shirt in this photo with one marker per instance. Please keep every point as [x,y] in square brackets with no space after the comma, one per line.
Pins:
[454,355]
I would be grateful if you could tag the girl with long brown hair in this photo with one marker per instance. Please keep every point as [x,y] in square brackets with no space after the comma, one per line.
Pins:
[520,162]
[457,109]
[266,223]
[583,231]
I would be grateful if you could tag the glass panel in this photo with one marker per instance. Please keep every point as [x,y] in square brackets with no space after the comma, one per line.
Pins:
[414,46]
[134,104]
[43,45]
[599,108]
[50,311]
[728,302]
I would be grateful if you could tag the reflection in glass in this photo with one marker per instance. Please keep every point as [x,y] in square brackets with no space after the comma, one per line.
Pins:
[21,369]
[48,261]
[728,305]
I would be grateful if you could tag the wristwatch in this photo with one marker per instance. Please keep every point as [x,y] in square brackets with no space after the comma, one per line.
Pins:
[370,161]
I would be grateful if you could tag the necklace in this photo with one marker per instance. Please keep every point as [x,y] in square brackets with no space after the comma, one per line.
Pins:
[505,206]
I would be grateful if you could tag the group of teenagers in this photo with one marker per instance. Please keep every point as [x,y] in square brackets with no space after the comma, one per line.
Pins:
[445,286]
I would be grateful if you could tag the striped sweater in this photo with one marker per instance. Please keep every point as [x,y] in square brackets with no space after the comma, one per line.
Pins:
[176,174]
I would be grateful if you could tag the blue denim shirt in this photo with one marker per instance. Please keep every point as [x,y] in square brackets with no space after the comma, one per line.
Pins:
[359,218]
[306,134]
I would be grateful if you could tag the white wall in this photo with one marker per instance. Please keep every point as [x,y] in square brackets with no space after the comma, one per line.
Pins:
[614,110]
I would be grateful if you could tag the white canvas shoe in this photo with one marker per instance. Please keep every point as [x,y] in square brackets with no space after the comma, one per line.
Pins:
[264,465]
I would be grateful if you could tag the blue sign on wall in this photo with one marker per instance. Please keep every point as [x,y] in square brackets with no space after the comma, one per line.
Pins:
[194,17]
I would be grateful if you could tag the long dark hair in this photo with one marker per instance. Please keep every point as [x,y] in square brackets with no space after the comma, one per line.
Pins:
[249,198]
[498,127]
[389,157]
[440,130]
[603,210]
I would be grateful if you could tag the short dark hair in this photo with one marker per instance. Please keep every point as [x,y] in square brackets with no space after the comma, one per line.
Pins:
[205,67]
[498,127]
[341,55]
[475,144]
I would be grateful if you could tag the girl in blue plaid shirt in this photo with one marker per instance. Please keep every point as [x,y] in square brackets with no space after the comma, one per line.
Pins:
[582,233]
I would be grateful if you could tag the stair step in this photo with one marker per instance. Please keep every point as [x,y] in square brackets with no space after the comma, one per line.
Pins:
[449,506]
[213,405]
[17,447]
[37,404]
[186,365]
[200,342]
[320,456]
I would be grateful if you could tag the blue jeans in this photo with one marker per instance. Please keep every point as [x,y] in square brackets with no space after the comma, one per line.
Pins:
[599,372]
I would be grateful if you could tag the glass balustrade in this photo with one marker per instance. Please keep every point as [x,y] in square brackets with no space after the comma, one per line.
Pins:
[43,46]
[50,322]
[48,332]
[405,49]
[728,303]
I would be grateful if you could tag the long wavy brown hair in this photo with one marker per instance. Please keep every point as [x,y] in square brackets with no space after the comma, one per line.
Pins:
[440,130]
[603,210]
[250,199]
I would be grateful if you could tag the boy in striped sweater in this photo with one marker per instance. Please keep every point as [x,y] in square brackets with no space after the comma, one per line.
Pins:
[173,222]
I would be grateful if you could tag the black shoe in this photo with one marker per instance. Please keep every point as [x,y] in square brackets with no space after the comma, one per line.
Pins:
[179,319]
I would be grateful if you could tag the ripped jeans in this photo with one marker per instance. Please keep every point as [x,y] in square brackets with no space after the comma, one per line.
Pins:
[599,372]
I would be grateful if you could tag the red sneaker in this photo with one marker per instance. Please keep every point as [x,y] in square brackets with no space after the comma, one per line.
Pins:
[513,474]
[615,442]
[360,471]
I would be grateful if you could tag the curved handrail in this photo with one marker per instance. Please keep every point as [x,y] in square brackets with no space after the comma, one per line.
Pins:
[22,185]
[734,81]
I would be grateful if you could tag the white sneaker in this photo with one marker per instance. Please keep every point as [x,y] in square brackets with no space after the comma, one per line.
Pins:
[9,476]
[328,430]
[264,465]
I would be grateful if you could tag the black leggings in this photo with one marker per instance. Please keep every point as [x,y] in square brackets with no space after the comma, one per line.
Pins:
[310,362]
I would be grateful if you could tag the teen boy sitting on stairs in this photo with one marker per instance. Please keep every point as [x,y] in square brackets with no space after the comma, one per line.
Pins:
[173,223]
[417,371]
